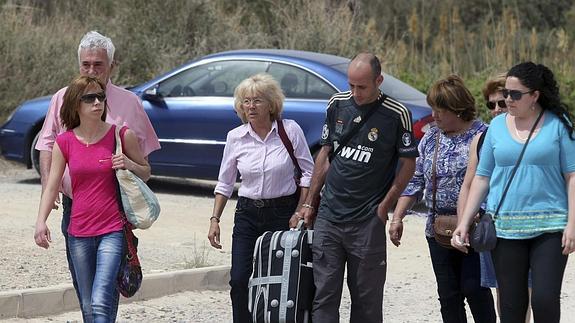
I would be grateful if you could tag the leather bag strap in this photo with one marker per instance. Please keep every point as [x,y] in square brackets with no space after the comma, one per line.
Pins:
[289,147]
[434,173]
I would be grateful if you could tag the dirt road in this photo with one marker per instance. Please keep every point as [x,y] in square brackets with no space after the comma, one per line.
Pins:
[178,241]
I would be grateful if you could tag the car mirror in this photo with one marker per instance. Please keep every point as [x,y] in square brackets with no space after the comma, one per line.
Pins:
[152,94]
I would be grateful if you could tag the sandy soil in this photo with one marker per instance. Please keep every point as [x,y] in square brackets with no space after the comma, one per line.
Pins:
[178,240]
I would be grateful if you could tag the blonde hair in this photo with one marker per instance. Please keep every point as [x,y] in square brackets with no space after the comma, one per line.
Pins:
[262,85]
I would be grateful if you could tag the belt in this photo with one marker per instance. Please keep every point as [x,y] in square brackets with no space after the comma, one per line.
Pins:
[290,200]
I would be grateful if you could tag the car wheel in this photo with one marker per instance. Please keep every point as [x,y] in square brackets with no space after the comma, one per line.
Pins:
[35,154]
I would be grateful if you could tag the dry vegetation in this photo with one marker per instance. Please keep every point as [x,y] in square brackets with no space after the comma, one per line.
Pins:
[419,41]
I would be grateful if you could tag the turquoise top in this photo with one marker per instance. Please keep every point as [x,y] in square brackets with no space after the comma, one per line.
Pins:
[536,202]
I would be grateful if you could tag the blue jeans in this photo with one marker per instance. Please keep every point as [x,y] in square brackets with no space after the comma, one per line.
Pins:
[96,264]
[249,223]
[66,212]
[458,277]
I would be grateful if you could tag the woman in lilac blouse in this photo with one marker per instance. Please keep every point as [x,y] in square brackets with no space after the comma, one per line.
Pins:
[267,194]
[457,274]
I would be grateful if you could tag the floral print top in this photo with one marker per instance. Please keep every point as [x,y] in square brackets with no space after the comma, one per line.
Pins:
[452,159]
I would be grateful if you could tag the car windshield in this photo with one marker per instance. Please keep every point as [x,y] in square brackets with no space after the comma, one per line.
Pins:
[392,86]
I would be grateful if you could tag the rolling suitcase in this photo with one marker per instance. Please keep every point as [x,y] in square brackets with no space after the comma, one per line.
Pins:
[281,287]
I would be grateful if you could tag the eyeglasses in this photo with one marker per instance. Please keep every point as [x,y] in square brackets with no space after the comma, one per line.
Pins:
[514,94]
[492,104]
[91,97]
[255,101]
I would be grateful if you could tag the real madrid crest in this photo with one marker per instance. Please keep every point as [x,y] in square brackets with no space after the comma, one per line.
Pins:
[372,135]
[406,139]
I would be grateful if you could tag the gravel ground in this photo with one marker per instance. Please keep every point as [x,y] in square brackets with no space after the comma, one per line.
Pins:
[178,241]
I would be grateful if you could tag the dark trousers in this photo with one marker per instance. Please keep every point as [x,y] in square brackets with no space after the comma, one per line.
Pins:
[362,247]
[512,260]
[249,223]
[66,212]
[458,277]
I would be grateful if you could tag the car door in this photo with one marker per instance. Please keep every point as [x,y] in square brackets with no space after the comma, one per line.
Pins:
[194,114]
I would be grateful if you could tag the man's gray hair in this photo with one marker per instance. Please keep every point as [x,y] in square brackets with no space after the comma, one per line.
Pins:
[95,40]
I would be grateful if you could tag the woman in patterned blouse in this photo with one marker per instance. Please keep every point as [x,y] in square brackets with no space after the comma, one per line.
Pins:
[457,274]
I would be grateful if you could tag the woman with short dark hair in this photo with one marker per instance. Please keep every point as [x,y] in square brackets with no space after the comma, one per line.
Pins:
[439,172]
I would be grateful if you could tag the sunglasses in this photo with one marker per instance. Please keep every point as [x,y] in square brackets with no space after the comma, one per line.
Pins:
[492,104]
[91,97]
[514,94]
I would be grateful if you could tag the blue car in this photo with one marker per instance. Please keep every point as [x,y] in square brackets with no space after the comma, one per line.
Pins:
[191,107]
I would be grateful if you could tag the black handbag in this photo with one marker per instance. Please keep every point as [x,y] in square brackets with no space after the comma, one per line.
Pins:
[483,236]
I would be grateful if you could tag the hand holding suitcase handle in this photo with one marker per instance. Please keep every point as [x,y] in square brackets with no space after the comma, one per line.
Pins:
[300,225]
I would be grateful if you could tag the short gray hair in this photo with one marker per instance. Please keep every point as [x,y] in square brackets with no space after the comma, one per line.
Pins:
[95,40]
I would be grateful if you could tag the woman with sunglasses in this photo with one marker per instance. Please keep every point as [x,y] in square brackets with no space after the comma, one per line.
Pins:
[536,221]
[96,238]
[492,93]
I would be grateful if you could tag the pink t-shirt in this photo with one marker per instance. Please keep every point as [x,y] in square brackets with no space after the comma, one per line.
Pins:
[95,210]
[124,109]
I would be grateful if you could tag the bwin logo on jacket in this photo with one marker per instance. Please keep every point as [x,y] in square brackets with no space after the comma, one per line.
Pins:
[360,154]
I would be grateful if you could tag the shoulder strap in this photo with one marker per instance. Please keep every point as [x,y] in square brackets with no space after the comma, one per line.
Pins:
[434,172]
[480,143]
[355,129]
[118,140]
[517,164]
[289,147]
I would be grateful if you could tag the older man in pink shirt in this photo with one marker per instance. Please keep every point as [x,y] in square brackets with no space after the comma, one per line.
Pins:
[96,58]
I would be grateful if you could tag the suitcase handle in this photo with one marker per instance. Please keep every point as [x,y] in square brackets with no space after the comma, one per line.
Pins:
[299,225]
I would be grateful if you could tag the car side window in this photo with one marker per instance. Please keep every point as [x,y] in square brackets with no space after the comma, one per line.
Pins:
[297,83]
[211,79]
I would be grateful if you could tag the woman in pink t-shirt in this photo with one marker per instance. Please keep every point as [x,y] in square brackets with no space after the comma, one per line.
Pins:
[96,240]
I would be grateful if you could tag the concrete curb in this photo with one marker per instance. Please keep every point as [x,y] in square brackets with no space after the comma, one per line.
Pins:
[27,303]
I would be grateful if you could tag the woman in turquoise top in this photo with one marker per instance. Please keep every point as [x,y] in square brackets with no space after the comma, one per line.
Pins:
[536,221]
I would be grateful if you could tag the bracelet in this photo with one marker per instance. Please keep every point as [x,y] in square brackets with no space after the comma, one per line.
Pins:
[396,222]
[307,206]
[215,217]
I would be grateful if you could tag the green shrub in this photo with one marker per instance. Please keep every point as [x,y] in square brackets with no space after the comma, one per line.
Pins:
[418,41]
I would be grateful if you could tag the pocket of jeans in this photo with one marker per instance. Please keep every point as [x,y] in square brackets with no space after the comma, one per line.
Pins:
[317,248]
[374,257]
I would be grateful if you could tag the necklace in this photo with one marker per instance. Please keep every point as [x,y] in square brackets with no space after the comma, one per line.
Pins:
[519,136]
[93,137]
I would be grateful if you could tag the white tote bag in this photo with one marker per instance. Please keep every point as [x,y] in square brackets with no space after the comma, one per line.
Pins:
[140,204]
